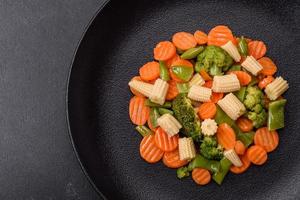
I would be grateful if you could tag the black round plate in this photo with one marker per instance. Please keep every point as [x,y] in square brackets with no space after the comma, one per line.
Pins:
[120,40]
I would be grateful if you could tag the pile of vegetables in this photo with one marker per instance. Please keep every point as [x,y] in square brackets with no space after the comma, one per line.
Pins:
[209,104]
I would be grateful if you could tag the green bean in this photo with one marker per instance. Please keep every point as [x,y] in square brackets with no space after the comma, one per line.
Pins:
[243,46]
[154,115]
[200,161]
[183,87]
[163,111]
[143,130]
[151,104]
[245,138]
[219,176]
[241,94]
[183,72]
[222,117]
[235,68]
[192,52]
[276,114]
[163,70]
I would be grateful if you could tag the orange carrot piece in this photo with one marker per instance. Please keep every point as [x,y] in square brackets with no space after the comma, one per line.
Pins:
[243,77]
[184,40]
[149,71]
[171,159]
[257,49]
[220,35]
[164,50]
[266,81]
[239,147]
[205,75]
[244,124]
[172,60]
[200,37]
[257,155]
[269,67]
[201,176]
[226,136]
[208,84]
[149,151]
[243,168]
[268,140]
[138,111]
[216,96]
[164,142]
[136,93]
[172,91]
[207,110]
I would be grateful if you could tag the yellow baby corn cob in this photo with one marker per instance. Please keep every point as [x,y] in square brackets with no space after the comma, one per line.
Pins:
[196,80]
[232,106]
[226,83]
[233,157]
[231,49]
[251,65]
[169,124]
[159,92]
[186,148]
[199,93]
[141,87]
[209,127]
[276,88]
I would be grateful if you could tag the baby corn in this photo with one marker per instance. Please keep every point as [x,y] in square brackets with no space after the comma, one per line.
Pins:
[233,157]
[226,83]
[199,93]
[196,80]
[232,106]
[276,88]
[251,65]
[231,49]
[141,87]
[159,92]
[169,124]
[186,148]
[209,127]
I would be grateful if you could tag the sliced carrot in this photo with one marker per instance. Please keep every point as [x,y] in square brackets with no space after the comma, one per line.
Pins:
[138,111]
[243,77]
[149,151]
[200,37]
[243,168]
[269,67]
[149,71]
[150,125]
[205,75]
[201,176]
[268,140]
[244,124]
[220,35]
[171,159]
[207,110]
[257,49]
[226,136]
[172,60]
[181,62]
[164,142]
[136,93]
[172,91]
[239,147]
[257,155]
[184,40]
[266,81]
[164,50]
[208,84]
[216,96]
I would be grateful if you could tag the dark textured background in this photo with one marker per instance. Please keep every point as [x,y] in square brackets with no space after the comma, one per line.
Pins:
[37,41]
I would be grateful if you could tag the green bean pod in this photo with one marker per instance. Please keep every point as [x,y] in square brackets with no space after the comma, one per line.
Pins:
[149,103]
[163,70]
[143,130]
[200,161]
[154,115]
[243,46]
[219,176]
[192,52]
[163,111]
[276,114]
[183,87]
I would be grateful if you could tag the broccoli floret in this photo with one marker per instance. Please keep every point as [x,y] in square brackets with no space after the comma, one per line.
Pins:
[210,149]
[185,114]
[213,60]
[254,103]
[182,172]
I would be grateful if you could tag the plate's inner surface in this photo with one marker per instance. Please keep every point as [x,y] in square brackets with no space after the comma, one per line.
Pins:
[118,42]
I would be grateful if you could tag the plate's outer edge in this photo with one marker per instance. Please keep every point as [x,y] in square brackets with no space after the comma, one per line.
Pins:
[67,100]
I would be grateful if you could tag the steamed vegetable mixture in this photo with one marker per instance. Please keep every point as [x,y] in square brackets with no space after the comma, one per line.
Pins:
[208,104]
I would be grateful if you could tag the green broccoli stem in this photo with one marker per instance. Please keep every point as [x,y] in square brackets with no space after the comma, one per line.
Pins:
[276,114]
[200,161]
[219,176]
